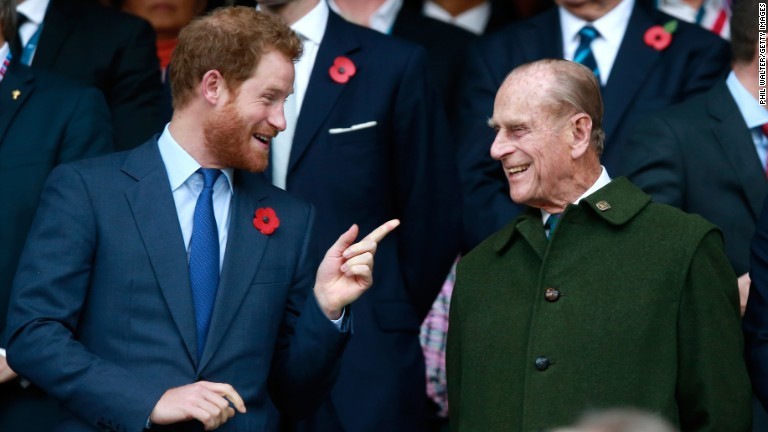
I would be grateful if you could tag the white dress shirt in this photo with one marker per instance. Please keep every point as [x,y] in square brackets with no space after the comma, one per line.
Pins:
[474,19]
[34,10]
[753,113]
[605,47]
[382,19]
[310,29]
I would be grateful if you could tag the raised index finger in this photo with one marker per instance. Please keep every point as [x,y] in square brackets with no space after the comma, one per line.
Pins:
[379,233]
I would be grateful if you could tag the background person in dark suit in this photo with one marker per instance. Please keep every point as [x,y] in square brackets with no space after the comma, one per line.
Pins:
[595,297]
[103,48]
[708,155]
[636,80]
[76,124]
[370,144]
[110,313]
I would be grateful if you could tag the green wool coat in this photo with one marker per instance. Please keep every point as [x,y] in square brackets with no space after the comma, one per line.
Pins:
[645,315]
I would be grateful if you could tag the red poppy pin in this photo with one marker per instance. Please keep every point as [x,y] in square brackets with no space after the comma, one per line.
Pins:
[265,220]
[342,70]
[659,37]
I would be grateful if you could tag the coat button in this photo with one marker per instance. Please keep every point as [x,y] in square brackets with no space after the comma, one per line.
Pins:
[552,295]
[542,363]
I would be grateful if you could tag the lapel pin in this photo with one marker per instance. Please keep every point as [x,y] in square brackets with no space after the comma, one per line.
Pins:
[603,205]
[15,94]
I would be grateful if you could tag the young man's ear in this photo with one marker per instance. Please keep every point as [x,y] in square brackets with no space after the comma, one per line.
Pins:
[213,87]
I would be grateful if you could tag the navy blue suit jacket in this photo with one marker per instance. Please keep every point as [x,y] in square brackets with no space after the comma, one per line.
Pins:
[699,157]
[401,168]
[641,82]
[102,317]
[755,322]
[51,120]
[110,50]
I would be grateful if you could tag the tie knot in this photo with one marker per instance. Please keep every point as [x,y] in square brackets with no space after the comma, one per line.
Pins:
[209,176]
[551,223]
[588,34]
[764,128]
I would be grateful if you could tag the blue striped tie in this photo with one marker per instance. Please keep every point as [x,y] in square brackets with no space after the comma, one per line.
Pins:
[204,257]
[584,53]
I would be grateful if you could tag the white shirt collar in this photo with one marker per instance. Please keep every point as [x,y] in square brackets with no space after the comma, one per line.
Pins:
[601,181]
[474,19]
[311,27]
[754,114]
[611,26]
[382,18]
[179,164]
[34,10]
[4,49]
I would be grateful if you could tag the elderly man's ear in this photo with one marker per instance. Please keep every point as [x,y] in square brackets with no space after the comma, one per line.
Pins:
[581,127]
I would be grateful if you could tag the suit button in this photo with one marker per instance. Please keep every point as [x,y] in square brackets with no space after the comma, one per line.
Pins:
[552,295]
[542,363]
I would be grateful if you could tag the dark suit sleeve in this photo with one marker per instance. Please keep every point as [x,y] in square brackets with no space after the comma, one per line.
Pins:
[487,205]
[427,187]
[713,392]
[654,161]
[755,321]
[89,131]
[49,292]
[309,345]
[136,95]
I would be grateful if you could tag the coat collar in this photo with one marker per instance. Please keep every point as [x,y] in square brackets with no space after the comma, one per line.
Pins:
[616,204]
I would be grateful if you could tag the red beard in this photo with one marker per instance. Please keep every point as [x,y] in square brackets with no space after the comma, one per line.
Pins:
[228,139]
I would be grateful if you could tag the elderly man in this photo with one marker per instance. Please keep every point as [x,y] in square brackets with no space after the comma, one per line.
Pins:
[622,303]
[170,285]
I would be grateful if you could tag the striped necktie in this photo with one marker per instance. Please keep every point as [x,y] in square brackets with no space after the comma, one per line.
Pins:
[551,224]
[584,54]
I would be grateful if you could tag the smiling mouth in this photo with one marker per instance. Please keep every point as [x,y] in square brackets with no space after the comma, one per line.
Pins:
[264,139]
[518,169]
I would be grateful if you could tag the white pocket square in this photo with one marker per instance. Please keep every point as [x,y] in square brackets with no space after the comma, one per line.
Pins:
[352,128]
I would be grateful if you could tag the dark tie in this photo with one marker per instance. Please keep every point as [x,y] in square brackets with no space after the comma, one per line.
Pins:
[16,46]
[584,54]
[551,224]
[204,257]
[764,128]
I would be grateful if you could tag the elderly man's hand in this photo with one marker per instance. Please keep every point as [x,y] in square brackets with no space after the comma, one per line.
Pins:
[6,373]
[347,269]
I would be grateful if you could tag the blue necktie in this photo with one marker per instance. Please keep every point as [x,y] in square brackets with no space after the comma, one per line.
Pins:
[204,257]
[584,53]
[551,224]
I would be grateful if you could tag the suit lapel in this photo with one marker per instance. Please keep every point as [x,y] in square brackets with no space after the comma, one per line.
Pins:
[20,82]
[632,66]
[154,211]
[60,19]
[322,91]
[245,249]
[735,139]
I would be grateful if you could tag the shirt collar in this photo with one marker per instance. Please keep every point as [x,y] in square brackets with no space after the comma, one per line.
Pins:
[754,114]
[179,164]
[382,19]
[4,49]
[611,26]
[601,181]
[311,27]
[34,10]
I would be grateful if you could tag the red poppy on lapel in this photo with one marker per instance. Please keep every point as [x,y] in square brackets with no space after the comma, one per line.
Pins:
[342,70]
[265,220]
[659,37]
